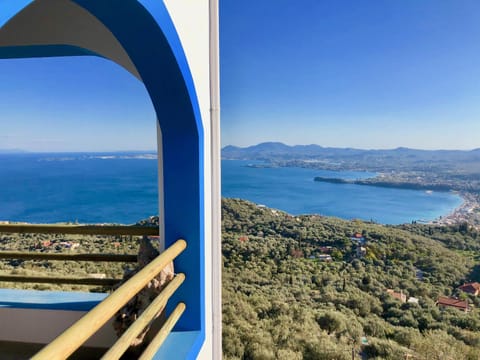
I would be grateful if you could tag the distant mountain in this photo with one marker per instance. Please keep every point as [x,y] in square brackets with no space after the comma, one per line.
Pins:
[277,151]
[460,163]
[278,148]
[263,149]
[272,149]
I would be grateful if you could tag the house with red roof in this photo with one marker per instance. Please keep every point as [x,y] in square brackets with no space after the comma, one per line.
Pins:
[446,302]
[358,238]
[471,288]
[397,295]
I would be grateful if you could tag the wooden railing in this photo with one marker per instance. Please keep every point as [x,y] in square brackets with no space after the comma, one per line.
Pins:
[75,336]
[70,229]
[78,229]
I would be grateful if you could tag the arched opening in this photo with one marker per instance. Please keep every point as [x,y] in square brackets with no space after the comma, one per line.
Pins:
[140,37]
[94,165]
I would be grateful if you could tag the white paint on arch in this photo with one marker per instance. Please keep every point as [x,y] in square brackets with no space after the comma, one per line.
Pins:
[196,22]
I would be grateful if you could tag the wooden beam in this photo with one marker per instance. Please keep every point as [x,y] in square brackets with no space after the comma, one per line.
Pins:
[72,338]
[58,280]
[67,256]
[166,329]
[124,342]
[79,229]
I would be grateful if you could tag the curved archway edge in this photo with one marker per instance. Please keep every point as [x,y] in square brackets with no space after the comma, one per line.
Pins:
[147,34]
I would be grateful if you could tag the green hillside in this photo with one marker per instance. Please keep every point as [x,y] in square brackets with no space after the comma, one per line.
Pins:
[281,301]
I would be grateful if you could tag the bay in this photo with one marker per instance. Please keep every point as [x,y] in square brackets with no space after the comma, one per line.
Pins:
[293,190]
[122,188]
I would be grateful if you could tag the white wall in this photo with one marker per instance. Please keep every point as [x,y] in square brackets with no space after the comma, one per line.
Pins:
[192,21]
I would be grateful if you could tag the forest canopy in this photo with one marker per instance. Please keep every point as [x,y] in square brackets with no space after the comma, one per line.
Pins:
[284,298]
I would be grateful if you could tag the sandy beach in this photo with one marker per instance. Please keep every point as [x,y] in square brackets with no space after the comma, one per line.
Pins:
[468,211]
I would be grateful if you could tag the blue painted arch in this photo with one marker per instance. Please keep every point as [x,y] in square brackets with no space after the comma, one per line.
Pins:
[147,34]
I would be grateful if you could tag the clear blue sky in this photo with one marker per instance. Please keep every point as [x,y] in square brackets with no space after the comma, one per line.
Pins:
[346,73]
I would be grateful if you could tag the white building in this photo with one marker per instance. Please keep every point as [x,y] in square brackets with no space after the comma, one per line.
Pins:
[170,46]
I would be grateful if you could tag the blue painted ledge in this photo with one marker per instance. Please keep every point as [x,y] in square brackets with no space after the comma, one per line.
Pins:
[50,300]
[178,346]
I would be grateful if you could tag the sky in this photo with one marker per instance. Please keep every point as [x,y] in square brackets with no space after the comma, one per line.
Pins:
[342,73]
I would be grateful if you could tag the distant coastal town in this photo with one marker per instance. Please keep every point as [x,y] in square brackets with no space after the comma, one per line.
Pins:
[467,212]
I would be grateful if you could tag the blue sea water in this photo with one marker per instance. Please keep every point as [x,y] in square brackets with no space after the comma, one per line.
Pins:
[294,191]
[88,188]
[122,188]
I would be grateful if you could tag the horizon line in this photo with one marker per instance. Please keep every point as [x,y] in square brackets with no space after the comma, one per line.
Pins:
[21,151]
[353,148]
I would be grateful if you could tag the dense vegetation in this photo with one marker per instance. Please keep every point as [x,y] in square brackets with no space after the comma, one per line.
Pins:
[281,302]
[56,243]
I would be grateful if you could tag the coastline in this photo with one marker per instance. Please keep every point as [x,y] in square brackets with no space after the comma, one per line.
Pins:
[468,211]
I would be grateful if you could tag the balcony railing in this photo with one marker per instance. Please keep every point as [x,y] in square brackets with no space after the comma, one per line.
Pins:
[76,335]
[71,230]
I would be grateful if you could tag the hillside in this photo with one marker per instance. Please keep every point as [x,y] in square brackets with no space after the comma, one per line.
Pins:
[70,244]
[281,301]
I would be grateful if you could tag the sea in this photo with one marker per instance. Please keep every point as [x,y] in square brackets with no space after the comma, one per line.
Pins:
[122,188]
